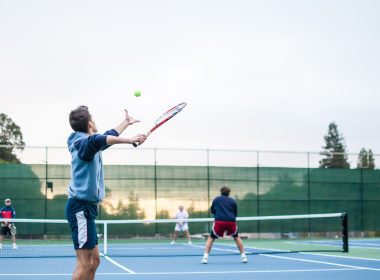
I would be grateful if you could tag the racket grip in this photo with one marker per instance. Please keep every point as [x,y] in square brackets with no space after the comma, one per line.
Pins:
[135,144]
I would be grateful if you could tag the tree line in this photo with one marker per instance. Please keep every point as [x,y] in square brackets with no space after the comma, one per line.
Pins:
[334,151]
[335,154]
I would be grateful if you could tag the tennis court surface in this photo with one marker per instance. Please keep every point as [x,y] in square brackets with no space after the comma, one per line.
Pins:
[145,252]
[307,265]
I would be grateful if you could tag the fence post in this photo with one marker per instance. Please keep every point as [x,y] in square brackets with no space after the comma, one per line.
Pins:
[155,189]
[258,189]
[208,189]
[308,193]
[105,238]
[46,187]
[361,200]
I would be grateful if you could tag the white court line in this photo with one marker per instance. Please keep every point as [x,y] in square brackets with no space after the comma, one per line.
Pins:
[366,244]
[215,248]
[244,271]
[343,257]
[268,255]
[321,262]
[364,247]
[186,272]
[306,253]
[313,243]
[309,253]
[118,265]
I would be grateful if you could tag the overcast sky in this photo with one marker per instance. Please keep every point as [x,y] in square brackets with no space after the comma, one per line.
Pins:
[267,75]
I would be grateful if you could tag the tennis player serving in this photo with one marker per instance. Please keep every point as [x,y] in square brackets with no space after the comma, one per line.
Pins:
[86,188]
[224,209]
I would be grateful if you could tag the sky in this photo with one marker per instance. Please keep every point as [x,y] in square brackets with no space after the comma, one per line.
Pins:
[256,75]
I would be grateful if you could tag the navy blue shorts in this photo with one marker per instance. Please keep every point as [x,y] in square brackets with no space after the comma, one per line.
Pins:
[81,217]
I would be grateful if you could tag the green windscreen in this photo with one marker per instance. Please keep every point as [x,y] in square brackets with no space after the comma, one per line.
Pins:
[149,191]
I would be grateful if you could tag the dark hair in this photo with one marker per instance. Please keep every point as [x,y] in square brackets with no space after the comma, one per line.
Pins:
[225,191]
[79,119]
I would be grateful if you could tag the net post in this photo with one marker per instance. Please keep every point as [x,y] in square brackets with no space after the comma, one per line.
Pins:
[105,238]
[345,232]
[208,190]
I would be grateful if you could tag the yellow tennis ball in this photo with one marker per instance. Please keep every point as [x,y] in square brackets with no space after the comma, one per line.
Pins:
[137,93]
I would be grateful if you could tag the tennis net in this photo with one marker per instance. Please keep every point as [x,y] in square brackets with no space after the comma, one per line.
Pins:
[140,238]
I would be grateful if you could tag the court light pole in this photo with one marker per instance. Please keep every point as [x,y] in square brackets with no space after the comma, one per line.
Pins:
[48,185]
[258,188]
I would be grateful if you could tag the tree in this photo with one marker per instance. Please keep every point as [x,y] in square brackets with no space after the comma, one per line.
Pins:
[362,159]
[131,210]
[10,139]
[334,150]
[371,160]
[365,159]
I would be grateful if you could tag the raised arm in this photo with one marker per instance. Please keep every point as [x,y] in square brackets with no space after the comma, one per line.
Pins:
[88,147]
[111,140]
[125,123]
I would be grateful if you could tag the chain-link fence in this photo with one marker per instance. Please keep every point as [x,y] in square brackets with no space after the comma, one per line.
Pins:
[152,183]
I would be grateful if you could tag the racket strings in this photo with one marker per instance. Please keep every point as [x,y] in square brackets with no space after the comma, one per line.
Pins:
[170,113]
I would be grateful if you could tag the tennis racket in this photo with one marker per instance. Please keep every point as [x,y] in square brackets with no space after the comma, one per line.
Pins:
[12,228]
[164,118]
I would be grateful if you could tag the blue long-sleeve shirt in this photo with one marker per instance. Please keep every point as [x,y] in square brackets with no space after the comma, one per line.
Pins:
[224,208]
[87,179]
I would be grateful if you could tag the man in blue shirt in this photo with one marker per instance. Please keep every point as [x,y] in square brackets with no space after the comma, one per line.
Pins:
[224,209]
[86,188]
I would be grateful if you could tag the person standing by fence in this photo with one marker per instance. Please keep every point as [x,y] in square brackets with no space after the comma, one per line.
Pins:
[8,228]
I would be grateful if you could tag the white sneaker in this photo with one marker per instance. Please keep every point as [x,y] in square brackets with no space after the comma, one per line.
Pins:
[189,242]
[204,261]
[172,243]
[14,246]
[244,259]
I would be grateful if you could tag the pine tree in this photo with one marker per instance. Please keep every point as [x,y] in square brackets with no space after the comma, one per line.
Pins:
[366,159]
[371,160]
[363,159]
[334,150]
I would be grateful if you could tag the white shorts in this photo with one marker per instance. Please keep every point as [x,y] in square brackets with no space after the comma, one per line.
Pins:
[182,227]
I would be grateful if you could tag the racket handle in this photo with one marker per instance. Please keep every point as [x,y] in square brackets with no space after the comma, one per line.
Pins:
[135,144]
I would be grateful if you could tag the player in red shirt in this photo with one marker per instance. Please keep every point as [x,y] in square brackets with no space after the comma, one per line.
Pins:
[7,212]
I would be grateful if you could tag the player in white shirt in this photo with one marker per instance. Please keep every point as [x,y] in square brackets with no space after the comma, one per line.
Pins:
[181,225]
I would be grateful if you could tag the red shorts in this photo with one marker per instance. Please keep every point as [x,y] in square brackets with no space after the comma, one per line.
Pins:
[222,227]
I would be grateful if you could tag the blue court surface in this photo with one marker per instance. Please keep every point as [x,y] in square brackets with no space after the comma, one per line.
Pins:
[260,266]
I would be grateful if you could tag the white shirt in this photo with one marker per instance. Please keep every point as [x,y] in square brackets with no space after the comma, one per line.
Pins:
[182,215]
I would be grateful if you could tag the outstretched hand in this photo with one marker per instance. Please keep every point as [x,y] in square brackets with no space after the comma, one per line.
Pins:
[139,139]
[130,119]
